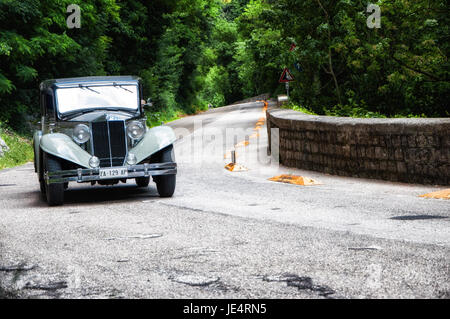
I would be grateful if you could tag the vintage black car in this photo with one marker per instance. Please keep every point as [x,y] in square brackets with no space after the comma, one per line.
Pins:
[93,130]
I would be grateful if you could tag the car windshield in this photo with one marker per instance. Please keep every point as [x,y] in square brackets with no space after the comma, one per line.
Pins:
[97,97]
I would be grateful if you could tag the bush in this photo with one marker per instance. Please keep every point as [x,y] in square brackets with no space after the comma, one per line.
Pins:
[20,149]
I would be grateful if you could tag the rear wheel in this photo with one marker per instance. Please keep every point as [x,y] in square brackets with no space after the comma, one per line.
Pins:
[166,183]
[55,191]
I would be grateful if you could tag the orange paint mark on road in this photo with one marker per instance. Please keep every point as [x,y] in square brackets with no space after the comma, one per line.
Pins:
[233,167]
[443,194]
[293,179]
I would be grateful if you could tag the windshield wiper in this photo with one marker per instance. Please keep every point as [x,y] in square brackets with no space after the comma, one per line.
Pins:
[120,86]
[81,86]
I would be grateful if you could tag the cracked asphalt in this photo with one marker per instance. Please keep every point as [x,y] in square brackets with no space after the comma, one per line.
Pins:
[224,234]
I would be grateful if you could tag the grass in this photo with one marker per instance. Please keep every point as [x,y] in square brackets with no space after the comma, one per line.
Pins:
[361,112]
[156,118]
[298,108]
[353,111]
[20,149]
[349,111]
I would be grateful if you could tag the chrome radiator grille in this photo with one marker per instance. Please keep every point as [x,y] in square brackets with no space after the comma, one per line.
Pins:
[109,142]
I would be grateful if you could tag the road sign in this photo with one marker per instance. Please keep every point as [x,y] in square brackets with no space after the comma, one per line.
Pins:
[286,76]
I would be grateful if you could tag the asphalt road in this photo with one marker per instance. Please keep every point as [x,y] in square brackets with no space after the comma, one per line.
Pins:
[224,234]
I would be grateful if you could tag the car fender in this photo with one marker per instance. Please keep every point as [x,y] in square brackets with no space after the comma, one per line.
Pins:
[154,140]
[62,146]
[36,141]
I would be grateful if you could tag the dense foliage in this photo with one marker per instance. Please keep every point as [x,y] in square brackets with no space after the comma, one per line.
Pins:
[347,68]
[191,53]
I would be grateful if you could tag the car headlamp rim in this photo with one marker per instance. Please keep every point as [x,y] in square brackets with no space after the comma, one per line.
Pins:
[135,130]
[81,133]
[94,162]
[131,159]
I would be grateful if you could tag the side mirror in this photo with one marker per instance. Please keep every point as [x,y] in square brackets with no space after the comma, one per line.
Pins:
[148,103]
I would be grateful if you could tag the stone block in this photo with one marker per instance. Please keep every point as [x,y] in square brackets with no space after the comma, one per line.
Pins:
[411,140]
[401,168]
[398,154]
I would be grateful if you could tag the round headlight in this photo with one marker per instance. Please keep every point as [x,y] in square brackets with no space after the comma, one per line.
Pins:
[135,130]
[81,133]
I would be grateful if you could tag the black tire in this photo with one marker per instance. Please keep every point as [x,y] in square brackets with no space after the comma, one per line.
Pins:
[54,192]
[41,176]
[142,181]
[165,184]
[42,187]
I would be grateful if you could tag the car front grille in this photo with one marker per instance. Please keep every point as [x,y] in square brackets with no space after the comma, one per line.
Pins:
[109,142]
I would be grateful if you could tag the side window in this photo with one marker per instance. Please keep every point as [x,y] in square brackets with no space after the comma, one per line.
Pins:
[42,104]
[49,105]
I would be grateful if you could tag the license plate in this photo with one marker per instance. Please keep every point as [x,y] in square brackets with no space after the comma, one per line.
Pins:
[116,172]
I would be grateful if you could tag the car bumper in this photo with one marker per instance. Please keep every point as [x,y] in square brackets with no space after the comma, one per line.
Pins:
[82,175]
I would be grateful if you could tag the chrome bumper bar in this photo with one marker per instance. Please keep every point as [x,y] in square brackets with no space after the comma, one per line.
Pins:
[82,175]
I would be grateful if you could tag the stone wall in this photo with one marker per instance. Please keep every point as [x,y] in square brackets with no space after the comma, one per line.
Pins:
[403,150]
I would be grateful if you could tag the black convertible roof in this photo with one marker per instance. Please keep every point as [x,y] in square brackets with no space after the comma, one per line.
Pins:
[89,79]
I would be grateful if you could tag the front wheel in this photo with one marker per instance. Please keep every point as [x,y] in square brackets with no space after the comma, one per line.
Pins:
[54,192]
[165,184]
[41,175]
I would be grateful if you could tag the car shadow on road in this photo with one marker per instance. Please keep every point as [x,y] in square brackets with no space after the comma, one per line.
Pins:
[103,194]
[97,195]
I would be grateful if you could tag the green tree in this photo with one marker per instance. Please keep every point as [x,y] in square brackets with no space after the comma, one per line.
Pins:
[401,68]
